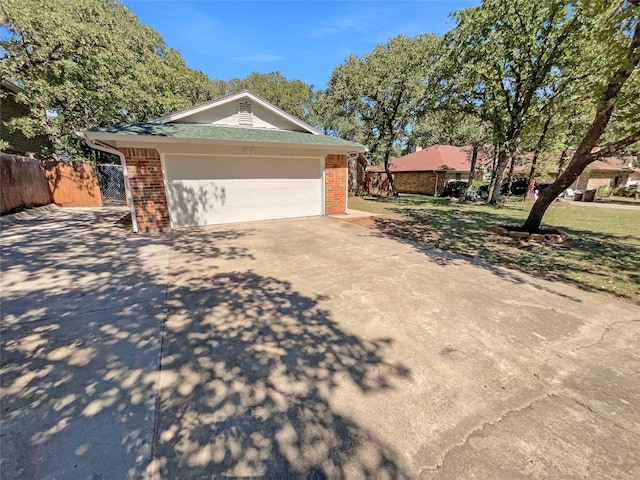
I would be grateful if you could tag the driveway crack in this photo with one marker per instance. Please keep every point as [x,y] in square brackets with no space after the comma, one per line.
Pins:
[598,414]
[607,329]
[473,432]
[165,312]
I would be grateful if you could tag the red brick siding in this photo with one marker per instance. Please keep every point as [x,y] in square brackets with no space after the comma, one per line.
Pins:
[147,189]
[335,187]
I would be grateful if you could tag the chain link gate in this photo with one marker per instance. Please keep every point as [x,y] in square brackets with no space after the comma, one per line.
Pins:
[111,182]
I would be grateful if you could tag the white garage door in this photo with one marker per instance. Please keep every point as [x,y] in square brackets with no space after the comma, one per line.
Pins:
[207,190]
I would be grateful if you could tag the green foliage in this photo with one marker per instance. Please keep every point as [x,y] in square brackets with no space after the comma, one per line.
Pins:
[456,188]
[448,126]
[374,99]
[502,59]
[86,63]
[627,192]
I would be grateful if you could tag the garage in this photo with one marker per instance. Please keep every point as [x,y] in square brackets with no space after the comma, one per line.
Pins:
[234,159]
[209,190]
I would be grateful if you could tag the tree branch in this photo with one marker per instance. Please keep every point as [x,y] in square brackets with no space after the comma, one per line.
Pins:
[614,147]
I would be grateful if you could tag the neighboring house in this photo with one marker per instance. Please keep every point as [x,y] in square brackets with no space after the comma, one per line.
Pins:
[16,141]
[234,159]
[609,172]
[427,171]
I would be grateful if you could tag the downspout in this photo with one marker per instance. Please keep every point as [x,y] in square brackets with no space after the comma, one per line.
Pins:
[355,176]
[127,185]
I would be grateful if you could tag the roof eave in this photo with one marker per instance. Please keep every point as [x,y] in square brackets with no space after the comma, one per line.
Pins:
[114,138]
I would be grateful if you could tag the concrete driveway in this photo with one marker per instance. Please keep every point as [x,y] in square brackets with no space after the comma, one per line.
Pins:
[306,346]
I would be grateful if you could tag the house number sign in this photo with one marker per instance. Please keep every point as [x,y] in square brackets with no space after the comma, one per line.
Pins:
[254,151]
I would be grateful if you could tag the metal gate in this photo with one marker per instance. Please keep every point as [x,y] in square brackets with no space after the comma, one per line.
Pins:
[111,181]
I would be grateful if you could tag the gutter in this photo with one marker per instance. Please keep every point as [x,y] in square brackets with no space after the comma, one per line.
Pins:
[127,185]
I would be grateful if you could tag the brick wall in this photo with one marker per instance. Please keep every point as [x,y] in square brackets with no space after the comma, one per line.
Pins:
[420,182]
[147,189]
[335,190]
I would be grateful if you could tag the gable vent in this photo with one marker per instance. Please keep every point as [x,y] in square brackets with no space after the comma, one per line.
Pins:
[244,114]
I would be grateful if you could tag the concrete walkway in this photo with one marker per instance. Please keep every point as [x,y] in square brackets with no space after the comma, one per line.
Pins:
[616,206]
[307,346]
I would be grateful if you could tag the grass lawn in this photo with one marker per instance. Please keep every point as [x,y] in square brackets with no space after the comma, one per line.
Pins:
[602,253]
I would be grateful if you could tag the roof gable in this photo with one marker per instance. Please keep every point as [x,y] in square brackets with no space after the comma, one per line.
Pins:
[243,109]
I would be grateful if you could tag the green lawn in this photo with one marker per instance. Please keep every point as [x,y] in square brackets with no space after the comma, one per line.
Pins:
[601,254]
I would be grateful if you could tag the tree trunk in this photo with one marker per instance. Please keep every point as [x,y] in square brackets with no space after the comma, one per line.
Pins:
[472,170]
[496,179]
[582,156]
[561,162]
[536,153]
[548,195]
[510,175]
[392,183]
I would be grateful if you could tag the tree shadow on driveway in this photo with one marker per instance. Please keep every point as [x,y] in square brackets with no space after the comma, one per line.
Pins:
[82,307]
[440,238]
[248,369]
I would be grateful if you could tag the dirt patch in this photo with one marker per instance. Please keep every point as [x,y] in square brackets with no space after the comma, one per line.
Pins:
[398,226]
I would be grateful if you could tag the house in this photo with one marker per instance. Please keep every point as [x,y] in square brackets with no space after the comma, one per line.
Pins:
[14,140]
[610,172]
[234,159]
[426,170]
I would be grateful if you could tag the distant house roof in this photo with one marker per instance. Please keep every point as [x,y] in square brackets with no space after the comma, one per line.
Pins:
[442,158]
[624,164]
[437,158]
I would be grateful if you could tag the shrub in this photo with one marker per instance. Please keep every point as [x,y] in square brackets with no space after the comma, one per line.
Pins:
[604,191]
[455,189]
[625,191]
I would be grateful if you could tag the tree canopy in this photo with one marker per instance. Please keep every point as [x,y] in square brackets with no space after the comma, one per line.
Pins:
[86,63]
[374,99]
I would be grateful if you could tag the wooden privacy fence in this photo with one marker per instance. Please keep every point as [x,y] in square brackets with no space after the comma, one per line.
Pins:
[23,183]
[28,182]
[73,184]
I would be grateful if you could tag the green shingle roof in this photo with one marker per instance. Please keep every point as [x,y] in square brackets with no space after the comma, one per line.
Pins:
[217,132]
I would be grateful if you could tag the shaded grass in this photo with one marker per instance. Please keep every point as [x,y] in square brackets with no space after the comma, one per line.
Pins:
[602,253]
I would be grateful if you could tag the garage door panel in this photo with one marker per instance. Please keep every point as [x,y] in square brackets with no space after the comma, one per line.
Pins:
[212,190]
[212,168]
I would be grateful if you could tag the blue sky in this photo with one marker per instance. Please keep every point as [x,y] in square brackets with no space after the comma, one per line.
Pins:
[302,40]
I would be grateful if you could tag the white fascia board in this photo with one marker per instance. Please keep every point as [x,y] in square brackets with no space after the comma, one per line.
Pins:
[172,117]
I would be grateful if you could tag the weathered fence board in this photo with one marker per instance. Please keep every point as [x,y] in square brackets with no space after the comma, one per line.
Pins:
[23,183]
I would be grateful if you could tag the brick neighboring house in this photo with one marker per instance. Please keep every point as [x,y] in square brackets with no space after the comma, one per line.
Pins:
[427,170]
[609,172]
[234,159]
[17,142]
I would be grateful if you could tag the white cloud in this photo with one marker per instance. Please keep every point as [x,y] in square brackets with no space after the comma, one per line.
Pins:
[338,25]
